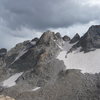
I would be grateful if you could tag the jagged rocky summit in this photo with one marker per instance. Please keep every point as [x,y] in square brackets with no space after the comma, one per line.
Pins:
[76,38]
[53,67]
[91,40]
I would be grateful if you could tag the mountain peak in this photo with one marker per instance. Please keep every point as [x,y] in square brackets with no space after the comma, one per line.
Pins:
[94,26]
[75,38]
[66,38]
[58,35]
[94,29]
[90,40]
[46,38]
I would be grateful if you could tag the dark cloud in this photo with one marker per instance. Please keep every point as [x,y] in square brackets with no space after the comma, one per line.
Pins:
[44,14]
[20,18]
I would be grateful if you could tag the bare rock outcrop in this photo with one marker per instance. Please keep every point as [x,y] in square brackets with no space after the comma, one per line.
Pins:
[2,97]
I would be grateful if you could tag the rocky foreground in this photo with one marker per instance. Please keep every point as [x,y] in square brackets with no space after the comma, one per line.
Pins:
[43,68]
[2,97]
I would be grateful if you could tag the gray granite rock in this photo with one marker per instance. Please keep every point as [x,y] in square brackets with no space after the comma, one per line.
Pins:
[90,40]
[66,38]
[76,38]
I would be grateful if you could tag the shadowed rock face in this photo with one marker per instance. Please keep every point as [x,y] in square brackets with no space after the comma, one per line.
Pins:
[35,39]
[58,35]
[66,38]
[3,52]
[90,40]
[76,38]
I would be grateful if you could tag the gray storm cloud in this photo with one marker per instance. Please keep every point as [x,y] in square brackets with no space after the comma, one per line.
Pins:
[44,14]
[20,18]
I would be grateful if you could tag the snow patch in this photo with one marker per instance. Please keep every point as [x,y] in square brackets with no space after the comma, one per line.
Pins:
[86,62]
[33,42]
[62,56]
[12,80]
[60,46]
[35,89]
[67,46]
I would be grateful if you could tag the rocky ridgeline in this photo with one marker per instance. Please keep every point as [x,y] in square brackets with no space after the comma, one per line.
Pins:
[90,40]
[75,39]
[37,59]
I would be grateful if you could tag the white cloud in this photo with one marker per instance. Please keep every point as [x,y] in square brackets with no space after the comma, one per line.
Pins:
[91,2]
[76,28]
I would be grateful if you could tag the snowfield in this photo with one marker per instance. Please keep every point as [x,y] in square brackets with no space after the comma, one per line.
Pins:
[33,42]
[86,62]
[12,80]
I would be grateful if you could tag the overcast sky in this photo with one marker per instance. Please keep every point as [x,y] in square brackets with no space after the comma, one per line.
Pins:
[25,19]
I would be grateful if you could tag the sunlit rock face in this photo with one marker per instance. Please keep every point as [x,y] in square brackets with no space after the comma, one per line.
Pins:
[2,97]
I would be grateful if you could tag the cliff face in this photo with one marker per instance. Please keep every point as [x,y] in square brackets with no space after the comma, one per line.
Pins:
[51,68]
